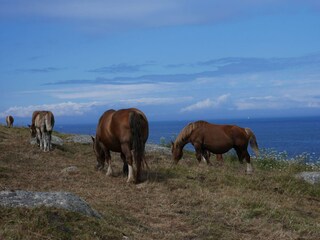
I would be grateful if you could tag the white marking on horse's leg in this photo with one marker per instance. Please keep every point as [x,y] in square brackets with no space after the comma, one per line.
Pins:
[249,168]
[50,144]
[45,142]
[109,171]
[130,174]
[204,159]
[41,142]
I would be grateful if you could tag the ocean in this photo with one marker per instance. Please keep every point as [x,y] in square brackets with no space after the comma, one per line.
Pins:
[290,137]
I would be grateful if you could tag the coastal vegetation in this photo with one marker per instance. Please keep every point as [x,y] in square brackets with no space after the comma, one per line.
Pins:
[184,201]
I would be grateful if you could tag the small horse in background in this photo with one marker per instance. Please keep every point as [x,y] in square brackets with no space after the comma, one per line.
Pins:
[9,121]
[41,127]
[217,139]
[125,131]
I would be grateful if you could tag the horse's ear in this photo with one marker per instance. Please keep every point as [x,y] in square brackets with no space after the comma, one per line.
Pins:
[93,139]
[172,143]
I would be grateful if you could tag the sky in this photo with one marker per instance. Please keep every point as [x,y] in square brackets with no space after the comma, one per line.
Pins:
[173,59]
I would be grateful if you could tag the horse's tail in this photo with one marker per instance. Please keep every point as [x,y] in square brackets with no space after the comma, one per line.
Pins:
[252,141]
[138,143]
[49,121]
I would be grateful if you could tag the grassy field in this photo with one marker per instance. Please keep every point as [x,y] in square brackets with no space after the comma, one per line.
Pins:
[186,201]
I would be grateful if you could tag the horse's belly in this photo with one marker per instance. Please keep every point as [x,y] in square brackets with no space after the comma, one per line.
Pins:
[218,148]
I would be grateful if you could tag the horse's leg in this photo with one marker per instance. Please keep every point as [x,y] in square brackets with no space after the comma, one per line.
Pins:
[243,153]
[125,164]
[199,155]
[249,166]
[46,141]
[108,160]
[128,155]
[39,137]
[206,156]
[49,140]
[219,158]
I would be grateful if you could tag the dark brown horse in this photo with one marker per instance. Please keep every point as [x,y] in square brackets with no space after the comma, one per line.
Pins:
[217,139]
[125,131]
[9,121]
[41,127]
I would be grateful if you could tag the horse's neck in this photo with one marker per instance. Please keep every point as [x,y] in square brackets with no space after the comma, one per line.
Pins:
[99,146]
[182,143]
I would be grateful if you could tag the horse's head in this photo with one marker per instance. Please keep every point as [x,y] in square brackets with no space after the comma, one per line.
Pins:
[99,153]
[33,131]
[176,151]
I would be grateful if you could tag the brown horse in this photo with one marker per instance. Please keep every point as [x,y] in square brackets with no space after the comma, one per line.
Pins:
[217,139]
[125,131]
[42,124]
[9,121]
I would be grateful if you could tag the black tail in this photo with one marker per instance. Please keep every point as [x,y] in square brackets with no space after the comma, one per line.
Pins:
[138,143]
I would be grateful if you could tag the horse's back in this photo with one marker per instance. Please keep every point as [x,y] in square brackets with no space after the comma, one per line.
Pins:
[49,120]
[121,120]
[219,138]
[114,127]
[43,119]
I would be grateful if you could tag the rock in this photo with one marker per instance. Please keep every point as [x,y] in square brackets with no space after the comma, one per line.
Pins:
[84,139]
[54,140]
[157,148]
[70,170]
[64,200]
[310,177]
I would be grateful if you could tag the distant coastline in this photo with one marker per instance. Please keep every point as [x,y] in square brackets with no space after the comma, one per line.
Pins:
[288,136]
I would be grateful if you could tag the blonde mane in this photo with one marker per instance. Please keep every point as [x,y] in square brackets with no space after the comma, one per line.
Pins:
[186,132]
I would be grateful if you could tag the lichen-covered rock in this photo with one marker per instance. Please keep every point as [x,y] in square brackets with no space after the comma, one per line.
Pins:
[54,140]
[158,149]
[84,139]
[310,177]
[64,200]
[70,170]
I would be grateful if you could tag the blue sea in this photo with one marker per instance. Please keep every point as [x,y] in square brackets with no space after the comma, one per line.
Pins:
[290,137]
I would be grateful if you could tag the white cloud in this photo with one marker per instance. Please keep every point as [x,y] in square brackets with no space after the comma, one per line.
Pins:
[155,100]
[106,92]
[285,101]
[59,109]
[207,103]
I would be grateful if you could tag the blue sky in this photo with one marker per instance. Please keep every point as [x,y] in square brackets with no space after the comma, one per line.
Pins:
[175,60]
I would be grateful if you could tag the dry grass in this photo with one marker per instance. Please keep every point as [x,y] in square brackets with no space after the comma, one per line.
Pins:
[187,201]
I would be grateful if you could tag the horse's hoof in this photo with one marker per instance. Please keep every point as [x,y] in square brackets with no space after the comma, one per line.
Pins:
[130,180]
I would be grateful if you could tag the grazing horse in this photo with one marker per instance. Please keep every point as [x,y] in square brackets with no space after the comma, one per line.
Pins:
[125,131]
[217,139]
[9,121]
[41,127]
